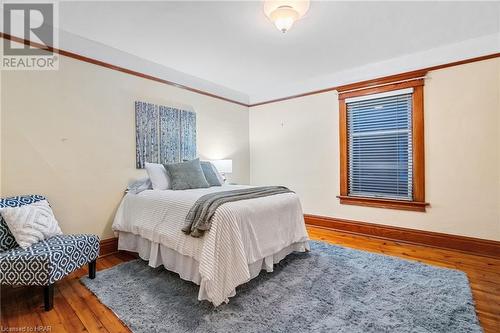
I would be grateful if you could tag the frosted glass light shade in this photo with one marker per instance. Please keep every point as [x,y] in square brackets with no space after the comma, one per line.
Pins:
[283,18]
[223,166]
[283,13]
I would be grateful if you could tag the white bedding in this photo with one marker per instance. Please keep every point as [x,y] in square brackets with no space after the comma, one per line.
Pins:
[242,232]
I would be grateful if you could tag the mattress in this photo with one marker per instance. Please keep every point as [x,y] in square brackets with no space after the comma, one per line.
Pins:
[244,235]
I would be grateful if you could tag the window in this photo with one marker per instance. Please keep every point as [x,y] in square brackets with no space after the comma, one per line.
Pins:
[381,145]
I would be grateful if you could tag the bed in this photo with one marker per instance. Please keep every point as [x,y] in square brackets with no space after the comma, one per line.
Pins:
[245,236]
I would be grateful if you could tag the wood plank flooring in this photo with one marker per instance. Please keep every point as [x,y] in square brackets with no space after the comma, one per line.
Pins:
[76,309]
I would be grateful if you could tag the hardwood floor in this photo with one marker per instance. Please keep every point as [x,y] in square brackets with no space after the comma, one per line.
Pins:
[76,309]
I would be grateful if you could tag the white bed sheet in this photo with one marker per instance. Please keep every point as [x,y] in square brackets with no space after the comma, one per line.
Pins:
[242,233]
[187,267]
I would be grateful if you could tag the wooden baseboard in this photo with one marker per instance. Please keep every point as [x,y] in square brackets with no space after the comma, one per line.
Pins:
[477,246]
[108,246]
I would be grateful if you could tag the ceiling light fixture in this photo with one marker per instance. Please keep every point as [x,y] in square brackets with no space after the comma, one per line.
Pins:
[284,13]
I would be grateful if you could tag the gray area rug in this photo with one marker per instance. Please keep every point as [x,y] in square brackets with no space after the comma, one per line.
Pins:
[330,289]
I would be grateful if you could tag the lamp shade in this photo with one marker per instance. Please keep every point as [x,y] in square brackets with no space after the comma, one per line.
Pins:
[223,166]
[283,18]
[283,13]
[300,6]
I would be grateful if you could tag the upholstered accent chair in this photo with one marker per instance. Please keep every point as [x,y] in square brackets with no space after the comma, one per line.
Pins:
[47,261]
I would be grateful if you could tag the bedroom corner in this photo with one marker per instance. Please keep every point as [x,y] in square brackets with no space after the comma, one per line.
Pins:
[48,147]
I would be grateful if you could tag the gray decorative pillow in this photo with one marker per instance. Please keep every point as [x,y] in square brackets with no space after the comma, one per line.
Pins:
[186,175]
[210,173]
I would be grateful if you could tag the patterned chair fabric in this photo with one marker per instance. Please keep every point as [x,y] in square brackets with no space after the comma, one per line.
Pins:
[47,261]
[7,240]
[44,262]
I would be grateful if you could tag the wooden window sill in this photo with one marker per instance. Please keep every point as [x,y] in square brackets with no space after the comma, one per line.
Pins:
[384,203]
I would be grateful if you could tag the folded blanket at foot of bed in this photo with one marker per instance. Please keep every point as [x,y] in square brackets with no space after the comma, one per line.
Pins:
[199,218]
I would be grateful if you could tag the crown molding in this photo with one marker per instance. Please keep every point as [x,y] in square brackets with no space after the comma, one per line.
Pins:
[241,99]
[381,80]
[447,55]
[160,71]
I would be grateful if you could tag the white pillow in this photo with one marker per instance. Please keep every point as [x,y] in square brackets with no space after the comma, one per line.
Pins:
[158,176]
[31,223]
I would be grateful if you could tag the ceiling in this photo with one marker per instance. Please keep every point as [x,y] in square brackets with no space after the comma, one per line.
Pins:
[231,43]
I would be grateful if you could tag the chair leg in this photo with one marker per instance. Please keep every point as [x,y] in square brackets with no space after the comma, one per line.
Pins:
[48,297]
[92,269]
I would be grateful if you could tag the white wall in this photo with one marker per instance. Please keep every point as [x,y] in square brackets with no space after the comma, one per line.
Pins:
[70,135]
[296,143]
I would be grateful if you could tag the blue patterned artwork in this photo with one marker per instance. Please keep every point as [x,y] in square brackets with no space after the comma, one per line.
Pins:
[170,141]
[188,135]
[165,135]
[146,133]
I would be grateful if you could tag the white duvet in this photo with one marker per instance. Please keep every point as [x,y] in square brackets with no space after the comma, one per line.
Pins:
[242,232]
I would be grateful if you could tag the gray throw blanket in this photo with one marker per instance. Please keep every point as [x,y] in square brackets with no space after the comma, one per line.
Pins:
[199,218]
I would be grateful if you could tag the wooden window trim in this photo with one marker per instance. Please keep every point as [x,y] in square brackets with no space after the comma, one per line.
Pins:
[418,203]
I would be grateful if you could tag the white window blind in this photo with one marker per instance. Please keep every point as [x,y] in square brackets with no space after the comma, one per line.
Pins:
[380,145]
